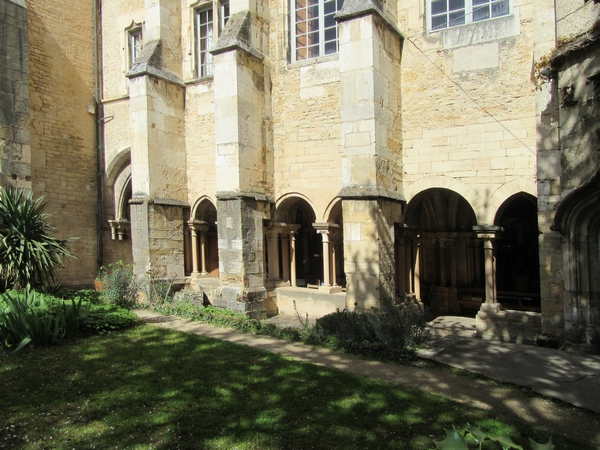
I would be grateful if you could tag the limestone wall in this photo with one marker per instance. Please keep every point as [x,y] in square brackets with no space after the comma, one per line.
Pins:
[574,17]
[468,105]
[63,153]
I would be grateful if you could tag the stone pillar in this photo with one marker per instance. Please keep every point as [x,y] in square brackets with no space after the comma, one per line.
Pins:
[243,159]
[293,257]
[203,249]
[487,317]
[194,232]
[417,265]
[370,88]
[273,252]
[241,255]
[15,141]
[158,156]
[327,230]
[285,256]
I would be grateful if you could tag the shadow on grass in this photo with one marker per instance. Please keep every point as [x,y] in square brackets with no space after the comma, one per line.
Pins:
[154,388]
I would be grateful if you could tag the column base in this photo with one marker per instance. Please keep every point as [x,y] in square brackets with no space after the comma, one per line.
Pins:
[249,301]
[330,289]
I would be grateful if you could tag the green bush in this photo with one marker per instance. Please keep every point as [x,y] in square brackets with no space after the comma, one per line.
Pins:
[158,287]
[42,319]
[120,284]
[28,317]
[104,318]
[29,254]
[390,335]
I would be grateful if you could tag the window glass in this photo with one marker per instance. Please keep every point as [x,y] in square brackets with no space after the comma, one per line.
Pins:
[315,28]
[135,45]
[451,13]
[204,41]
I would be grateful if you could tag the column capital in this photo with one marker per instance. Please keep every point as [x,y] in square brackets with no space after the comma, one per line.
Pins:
[197,225]
[487,232]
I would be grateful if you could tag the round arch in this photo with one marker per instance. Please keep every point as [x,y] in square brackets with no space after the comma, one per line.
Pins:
[517,253]
[285,204]
[475,200]
[503,193]
[438,256]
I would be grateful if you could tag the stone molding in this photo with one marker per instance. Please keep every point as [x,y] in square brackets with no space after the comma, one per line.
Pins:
[236,195]
[357,8]
[149,63]
[140,200]
[236,36]
[370,192]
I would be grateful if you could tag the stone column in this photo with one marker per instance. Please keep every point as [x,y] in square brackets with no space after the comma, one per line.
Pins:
[293,257]
[326,230]
[285,256]
[417,263]
[273,252]
[326,257]
[203,248]
[194,232]
[487,316]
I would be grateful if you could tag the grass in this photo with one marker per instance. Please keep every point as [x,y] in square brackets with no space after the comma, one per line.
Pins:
[148,387]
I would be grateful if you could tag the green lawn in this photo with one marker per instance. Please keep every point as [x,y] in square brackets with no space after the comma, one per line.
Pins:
[152,388]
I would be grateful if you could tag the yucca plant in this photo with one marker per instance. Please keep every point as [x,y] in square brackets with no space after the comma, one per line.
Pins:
[29,253]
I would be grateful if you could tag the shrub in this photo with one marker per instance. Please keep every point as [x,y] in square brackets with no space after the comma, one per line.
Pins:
[120,284]
[29,254]
[28,317]
[158,287]
[391,334]
[104,318]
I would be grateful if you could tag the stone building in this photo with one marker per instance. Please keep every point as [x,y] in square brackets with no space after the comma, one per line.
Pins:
[319,154]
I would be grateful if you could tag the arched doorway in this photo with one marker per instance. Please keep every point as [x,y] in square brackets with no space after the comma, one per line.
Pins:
[204,240]
[578,220]
[439,246]
[292,240]
[517,254]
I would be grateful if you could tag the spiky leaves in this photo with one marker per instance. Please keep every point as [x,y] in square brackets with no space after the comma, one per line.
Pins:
[29,253]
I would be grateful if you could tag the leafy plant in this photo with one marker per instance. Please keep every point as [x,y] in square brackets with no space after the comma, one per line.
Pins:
[454,440]
[27,317]
[29,253]
[104,318]
[158,287]
[120,284]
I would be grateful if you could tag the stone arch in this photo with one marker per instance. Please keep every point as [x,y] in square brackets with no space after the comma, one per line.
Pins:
[517,253]
[202,243]
[478,204]
[118,180]
[503,193]
[578,220]
[335,219]
[284,204]
[293,247]
[116,165]
[203,207]
[439,258]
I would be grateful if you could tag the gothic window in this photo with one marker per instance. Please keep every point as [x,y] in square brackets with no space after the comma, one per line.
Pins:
[204,41]
[314,28]
[206,34]
[443,14]
[135,43]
